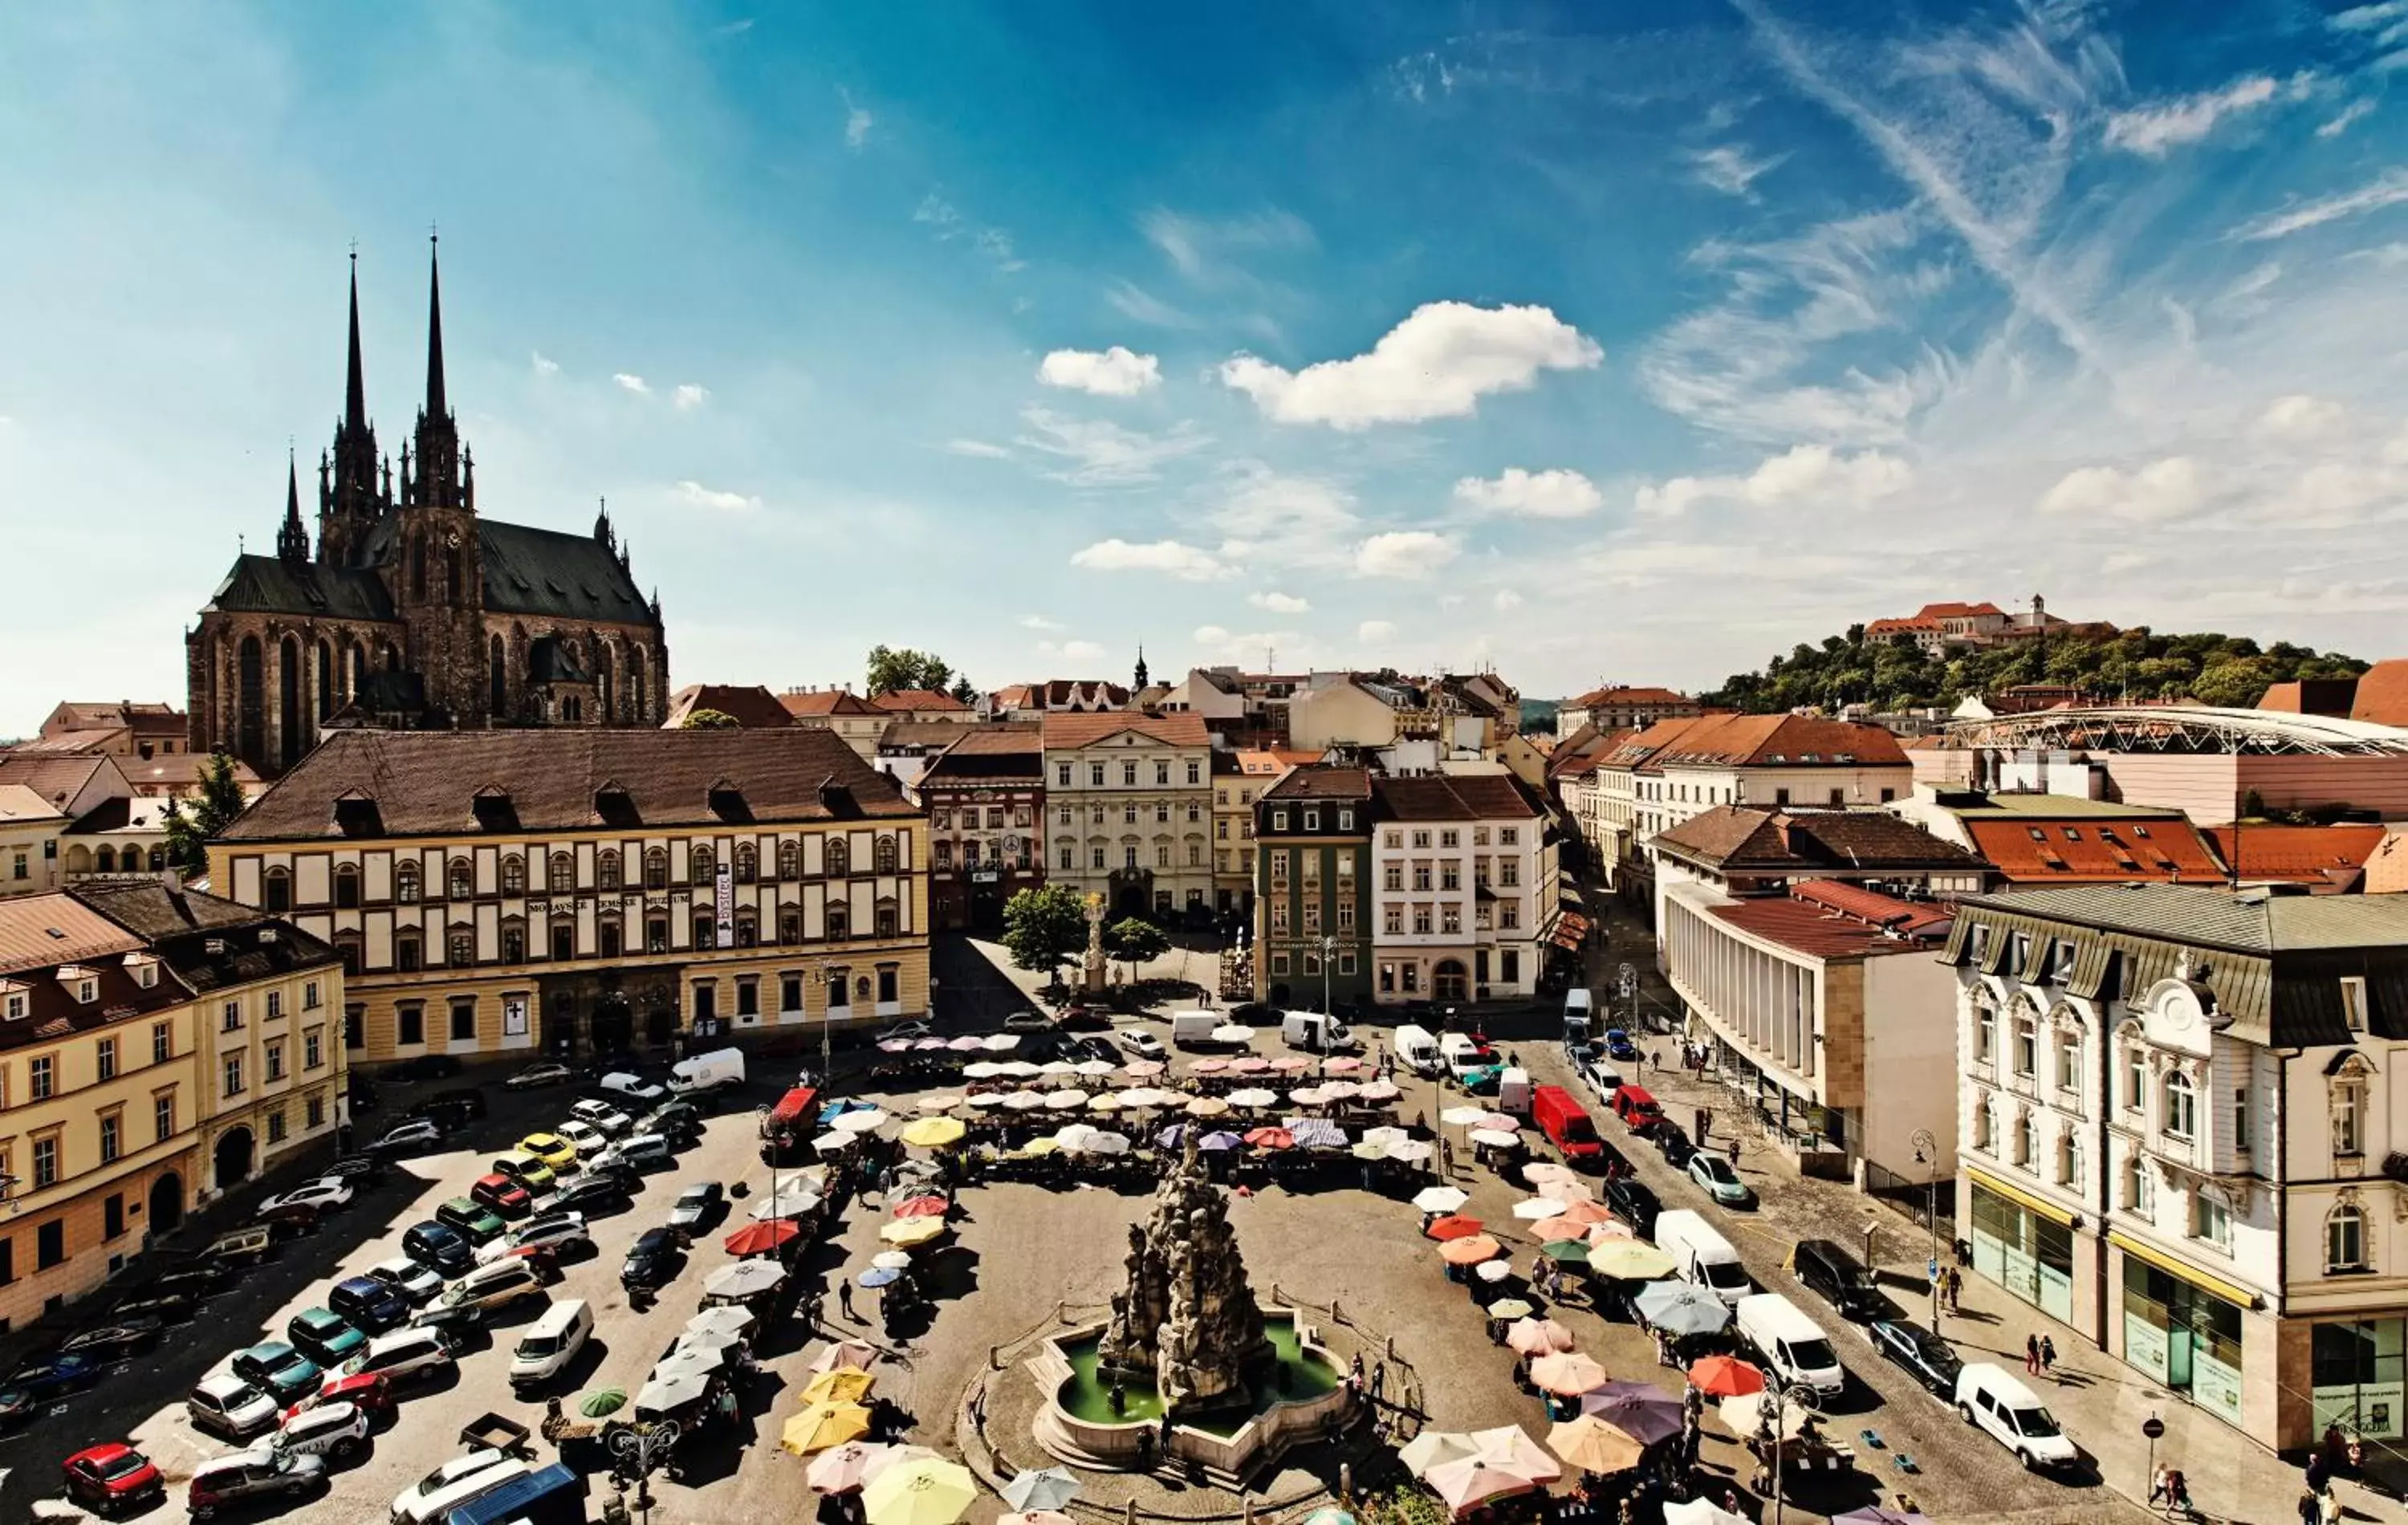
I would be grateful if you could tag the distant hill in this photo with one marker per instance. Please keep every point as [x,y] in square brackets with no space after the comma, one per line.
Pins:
[1539,714]
[2136,665]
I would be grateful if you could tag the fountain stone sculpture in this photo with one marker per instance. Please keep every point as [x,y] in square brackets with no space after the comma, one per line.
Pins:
[1188,1319]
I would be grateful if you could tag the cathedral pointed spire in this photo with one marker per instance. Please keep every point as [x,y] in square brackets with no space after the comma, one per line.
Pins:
[435,405]
[350,501]
[439,480]
[355,391]
[291,538]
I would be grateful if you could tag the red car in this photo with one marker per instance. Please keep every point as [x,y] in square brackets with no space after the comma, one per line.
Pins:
[371,1391]
[502,1194]
[112,1476]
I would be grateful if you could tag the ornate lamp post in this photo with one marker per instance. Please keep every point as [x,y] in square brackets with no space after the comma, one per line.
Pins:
[1329,952]
[1927,1154]
[642,1448]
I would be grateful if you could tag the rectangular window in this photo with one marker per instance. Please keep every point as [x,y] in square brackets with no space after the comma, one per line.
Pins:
[275,1004]
[272,1059]
[162,1116]
[51,1243]
[1128,774]
[1450,876]
[1195,774]
[276,1126]
[313,1048]
[1393,877]
[889,985]
[1094,775]
[104,1056]
[112,1128]
[1451,919]
[1509,872]
[409,1027]
[1062,774]
[1345,915]
[315,1109]
[1509,965]
[790,993]
[748,998]
[1509,914]
[46,1163]
[163,1043]
[1313,916]
[1422,920]
[113,1214]
[39,1076]
[2353,1002]
[1391,919]
[1279,961]
[1421,878]
[230,1019]
[464,1020]
[1507,836]
[232,1076]
[563,940]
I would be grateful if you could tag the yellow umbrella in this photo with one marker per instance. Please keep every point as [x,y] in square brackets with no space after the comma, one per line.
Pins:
[1629,1259]
[930,1490]
[842,1386]
[934,1132]
[1592,1445]
[824,1425]
[911,1233]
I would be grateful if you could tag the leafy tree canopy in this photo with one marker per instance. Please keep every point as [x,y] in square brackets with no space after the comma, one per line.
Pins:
[1043,926]
[212,810]
[1136,940]
[891,669]
[2134,665]
[711,720]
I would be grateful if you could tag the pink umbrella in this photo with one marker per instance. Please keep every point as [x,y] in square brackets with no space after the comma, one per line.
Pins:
[929,1045]
[840,1471]
[1142,1068]
[845,1353]
[1538,1336]
[896,1046]
[1288,1064]
[967,1045]
[1569,1374]
[1339,1066]
[1506,1463]
[1496,1121]
[1249,1066]
[1207,1067]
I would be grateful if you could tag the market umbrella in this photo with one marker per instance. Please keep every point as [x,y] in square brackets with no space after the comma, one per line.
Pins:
[1289,1064]
[1041,1488]
[602,1402]
[761,1238]
[1559,1227]
[1454,1225]
[722,1320]
[822,1426]
[1566,1252]
[878,1277]
[1471,1251]
[863,1121]
[1221,1140]
[791,1200]
[1040,1146]
[988,1102]
[894,1045]
[922,1207]
[1340,1090]
[1436,1448]
[857,1354]
[933,1491]
[1629,1259]
[841,1469]
[1307,1096]
[664,1395]
[1233,1032]
[1506,1463]
[1069,1101]
[1378,1090]
[745,1278]
[1252,1096]
[982,1070]
[910,1233]
[1676,1307]
[1701,1512]
[1104,1102]
[928,1045]
[1745,1415]
[1538,1208]
[1207,1067]
[892,1260]
[1329,1513]
[1143,1068]
[1411,1151]
[966,1044]
[1496,1138]
[1593,1446]
[1057,1068]
[1584,1211]
[845,1385]
[935,1133]
[1465,1117]
[1873,1514]
[707,1340]
[1369,1151]
[832,1142]
[896,1455]
[1598,1233]
[1146,1095]
[1493,1271]
[1249,1065]
[1025,1101]
[1094,1069]
[1100,1142]
[1019,1070]
[999,1043]
[1340,1065]
[1440,1199]
[1538,1337]
[1644,1413]
[1496,1121]
[1272,1138]
[1567,1373]
[696,1360]
[930,1106]
[1725,1377]
[1208,1106]
[1565,1189]
[1511,1307]
[1036,1516]
[1537,1170]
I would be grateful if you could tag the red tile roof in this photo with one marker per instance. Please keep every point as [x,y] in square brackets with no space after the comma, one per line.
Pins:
[2312,854]
[2383,694]
[1064,732]
[1760,740]
[1956,611]
[2084,850]
[816,702]
[1456,797]
[1804,927]
[1912,917]
[751,706]
[919,701]
[39,932]
[1624,694]
[1748,839]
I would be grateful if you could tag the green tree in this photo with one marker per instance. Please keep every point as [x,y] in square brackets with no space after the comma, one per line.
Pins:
[965,692]
[1134,941]
[891,669]
[1043,926]
[711,720]
[213,809]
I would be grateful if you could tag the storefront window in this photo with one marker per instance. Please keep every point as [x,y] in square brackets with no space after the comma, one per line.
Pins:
[2357,1373]
[2187,1339]
[2030,1256]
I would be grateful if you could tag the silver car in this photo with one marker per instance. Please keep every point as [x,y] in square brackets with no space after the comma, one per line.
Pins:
[260,1473]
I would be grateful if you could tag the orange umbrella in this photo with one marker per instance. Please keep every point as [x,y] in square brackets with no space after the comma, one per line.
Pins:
[761,1238]
[1726,1376]
[1585,1211]
[1538,1336]
[1272,1138]
[1471,1251]
[1454,1225]
[1569,1374]
[1561,1226]
[922,1207]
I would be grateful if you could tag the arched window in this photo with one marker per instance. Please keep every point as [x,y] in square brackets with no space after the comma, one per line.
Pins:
[2348,1109]
[326,679]
[702,863]
[656,867]
[2345,1240]
[840,919]
[404,882]
[458,881]
[637,709]
[2022,1150]
[748,863]
[790,860]
[790,924]
[2026,1054]
[1985,1035]
[105,861]
[346,888]
[278,889]
[606,867]
[1985,1126]
[882,855]
[561,875]
[2180,1120]
[888,919]
[513,874]
[838,856]
[2068,1159]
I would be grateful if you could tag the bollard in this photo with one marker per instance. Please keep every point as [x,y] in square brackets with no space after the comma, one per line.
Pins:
[1128,1511]
[1346,1482]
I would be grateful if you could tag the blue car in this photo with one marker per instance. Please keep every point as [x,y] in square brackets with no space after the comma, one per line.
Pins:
[1619,1046]
[59,1374]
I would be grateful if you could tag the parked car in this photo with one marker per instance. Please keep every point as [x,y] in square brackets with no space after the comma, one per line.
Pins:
[414,1137]
[150,1302]
[582,1137]
[637,1152]
[324,1336]
[413,1283]
[532,1170]
[601,1116]
[591,1195]
[426,1067]
[283,1221]
[624,1090]
[492,1285]
[1669,1141]
[17,1406]
[1619,1047]
[260,1473]
[405,1354]
[438,1248]
[559,1232]
[1991,1400]
[279,1368]
[370,1392]
[1633,1203]
[227,1406]
[432,1496]
[1831,1273]
[476,1222]
[239,1249]
[536,1076]
[905,1032]
[327,1194]
[697,1207]
[1141,1043]
[680,1122]
[1926,1357]
[1716,1176]
[54,1375]
[1027,1022]
[336,1431]
[195,1281]
[119,1337]
[112,1478]
[502,1194]
[654,1260]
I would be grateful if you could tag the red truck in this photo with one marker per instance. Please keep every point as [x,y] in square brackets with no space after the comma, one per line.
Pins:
[1635,1107]
[1567,1125]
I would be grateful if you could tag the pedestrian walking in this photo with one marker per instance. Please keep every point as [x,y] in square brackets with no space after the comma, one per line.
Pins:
[2031,1355]
[2047,1356]
[2311,1509]
[1379,1379]
[1702,1118]
[844,1300]
[1733,1151]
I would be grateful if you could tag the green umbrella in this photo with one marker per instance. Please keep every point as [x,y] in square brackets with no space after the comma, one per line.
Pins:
[593,1406]
[1566,1251]
[1511,1308]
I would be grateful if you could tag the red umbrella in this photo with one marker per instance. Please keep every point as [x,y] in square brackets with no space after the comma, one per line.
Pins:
[1725,1377]
[1272,1138]
[1454,1226]
[761,1238]
[922,1207]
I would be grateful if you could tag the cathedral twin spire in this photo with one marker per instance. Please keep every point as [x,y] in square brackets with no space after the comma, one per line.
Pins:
[355,485]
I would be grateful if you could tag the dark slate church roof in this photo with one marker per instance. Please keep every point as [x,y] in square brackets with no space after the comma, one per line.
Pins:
[546,572]
[267,586]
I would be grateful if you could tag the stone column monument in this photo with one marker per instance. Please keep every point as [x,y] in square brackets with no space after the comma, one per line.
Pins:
[1188,1317]
[1094,969]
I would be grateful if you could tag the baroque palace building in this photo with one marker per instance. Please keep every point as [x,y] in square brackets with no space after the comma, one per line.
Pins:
[415,613]
[501,893]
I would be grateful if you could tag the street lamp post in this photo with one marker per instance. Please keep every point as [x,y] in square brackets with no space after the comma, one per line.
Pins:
[1927,1154]
[1329,952]
[816,974]
[643,1446]
[1773,1403]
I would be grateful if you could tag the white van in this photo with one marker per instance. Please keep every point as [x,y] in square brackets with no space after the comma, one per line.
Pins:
[1990,1398]
[458,1481]
[1580,1010]
[707,1071]
[1416,1050]
[1790,1342]
[1316,1034]
[1705,1258]
[550,1343]
[1460,1054]
[1513,1092]
[1193,1028]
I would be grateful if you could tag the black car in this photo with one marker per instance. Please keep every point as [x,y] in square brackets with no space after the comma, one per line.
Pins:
[652,1262]
[453,1109]
[427,1067]
[1667,1136]
[1833,1274]
[55,1376]
[592,1193]
[119,1337]
[1633,1203]
[150,1303]
[439,1248]
[1925,1355]
[680,1122]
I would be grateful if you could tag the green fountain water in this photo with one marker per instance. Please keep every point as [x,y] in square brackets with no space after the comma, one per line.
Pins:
[1291,1373]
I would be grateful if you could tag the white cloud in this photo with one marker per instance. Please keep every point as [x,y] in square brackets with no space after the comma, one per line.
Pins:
[1038,621]
[1555,493]
[636,384]
[695,494]
[2388,189]
[1270,518]
[1197,246]
[1406,553]
[1727,168]
[1799,474]
[857,121]
[979,448]
[2162,490]
[2155,130]
[1507,599]
[1142,305]
[1187,563]
[937,213]
[1375,632]
[1438,363]
[544,365]
[689,397]
[2386,21]
[1098,453]
[1116,372]
[1071,651]
[2348,117]
[1280,603]
[2301,416]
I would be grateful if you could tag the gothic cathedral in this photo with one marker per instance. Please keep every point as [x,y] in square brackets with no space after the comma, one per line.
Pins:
[415,613]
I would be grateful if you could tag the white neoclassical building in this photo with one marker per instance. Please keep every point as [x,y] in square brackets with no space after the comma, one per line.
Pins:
[2179,1133]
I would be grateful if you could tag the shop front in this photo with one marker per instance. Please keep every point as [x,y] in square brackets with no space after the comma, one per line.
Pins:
[2024,1244]
[2182,1327]
[2358,1376]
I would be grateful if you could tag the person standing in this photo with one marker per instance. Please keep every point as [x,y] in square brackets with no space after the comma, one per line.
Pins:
[2047,1356]
[2031,1355]
[844,1299]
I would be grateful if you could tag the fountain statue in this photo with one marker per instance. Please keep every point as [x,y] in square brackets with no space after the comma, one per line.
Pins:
[1092,969]
[1188,1318]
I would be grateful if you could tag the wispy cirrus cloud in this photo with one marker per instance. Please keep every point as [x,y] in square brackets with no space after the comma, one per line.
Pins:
[857,120]
[2159,127]
[2388,189]
[1729,168]
[1098,453]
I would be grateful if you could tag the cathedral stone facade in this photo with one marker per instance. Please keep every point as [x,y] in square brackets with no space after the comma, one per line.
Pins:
[414,612]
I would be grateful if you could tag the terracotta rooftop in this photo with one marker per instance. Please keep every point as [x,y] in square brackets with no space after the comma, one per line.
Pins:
[753,706]
[39,932]
[57,779]
[1450,797]
[1624,694]
[1820,932]
[1066,732]
[174,772]
[2331,856]
[919,701]
[425,784]
[811,703]
[1323,783]
[1913,918]
[1012,750]
[20,806]
[1775,741]
[2084,850]
[2381,696]
[1749,839]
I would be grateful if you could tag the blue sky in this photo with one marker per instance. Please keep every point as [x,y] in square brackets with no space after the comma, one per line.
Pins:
[1632,341]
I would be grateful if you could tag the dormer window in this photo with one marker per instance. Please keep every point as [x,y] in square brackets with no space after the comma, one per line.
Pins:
[2353,1002]
[144,969]
[86,992]
[14,1005]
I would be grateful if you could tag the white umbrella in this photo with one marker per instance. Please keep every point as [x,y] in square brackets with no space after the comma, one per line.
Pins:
[1442,1199]
[721,1321]
[832,1142]
[1233,1032]
[982,1069]
[999,1043]
[1018,1070]
[1411,1151]
[1340,1090]
[744,1278]
[1462,1116]
[1385,1136]
[1378,1090]
[698,1361]
[665,1395]
[1106,1101]
[791,1200]
[863,1121]
[1700,1512]
[1057,1066]
[1146,1095]
[1310,1096]
[1434,1448]
[1070,1138]
[1493,1270]
[1025,1101]
[1066,1101]
[986,1101]
[1538,1208]
[1100,1143]
[892,1260]
[1565,1189]
[1495,1138]
[1254,1096]
[931,1105]
[1094,1069]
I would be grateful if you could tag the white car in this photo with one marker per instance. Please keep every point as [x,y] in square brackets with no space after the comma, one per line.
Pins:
[327,1194]
[557,1231]
[904,1032]
[414,1282]
[333,1430]
[230,1407]
[587,1140]
[1142,1043]
[601,1115]
[465,1465]
[404,1353]
[637,1152]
